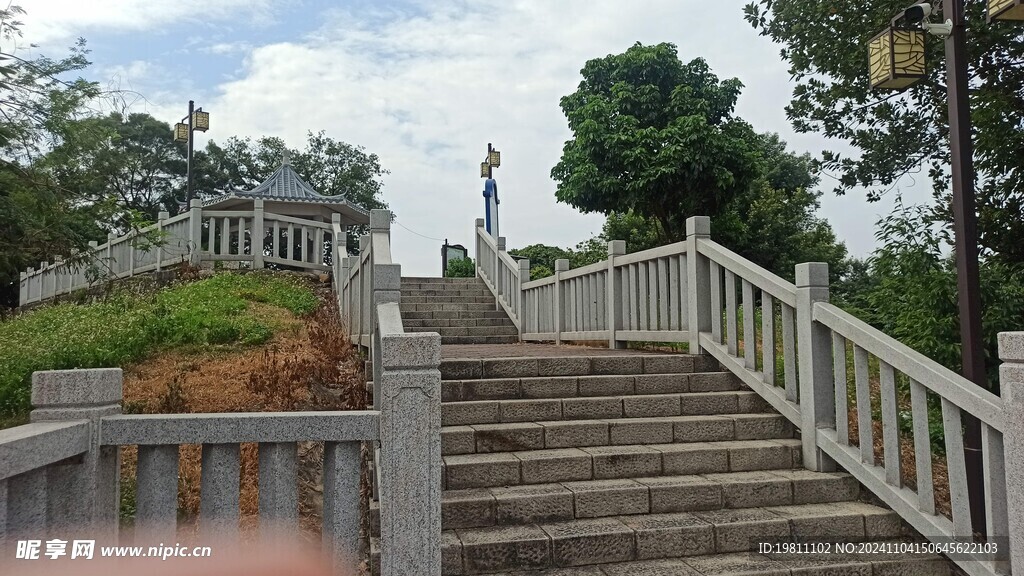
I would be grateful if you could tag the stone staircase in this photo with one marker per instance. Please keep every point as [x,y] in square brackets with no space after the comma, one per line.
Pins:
[605,463]
[461,310]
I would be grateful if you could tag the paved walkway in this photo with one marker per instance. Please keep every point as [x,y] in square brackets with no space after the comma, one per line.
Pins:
[533,351]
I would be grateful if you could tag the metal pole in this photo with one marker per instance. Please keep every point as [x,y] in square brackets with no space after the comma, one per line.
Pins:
[191,111]
[965,228]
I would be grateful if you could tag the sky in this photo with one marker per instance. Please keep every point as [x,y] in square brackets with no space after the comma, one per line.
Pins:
[426,85]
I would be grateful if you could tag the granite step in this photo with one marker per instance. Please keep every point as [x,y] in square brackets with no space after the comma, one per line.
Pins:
[439,280]
[454,314]
[457,290]
[499,469]
[447,299]
[510,437]
[480,339]
[530,388]
[445,307]
[456,322]
[467,330]
[602,407]
[621,365]
[697,536]
[560,502]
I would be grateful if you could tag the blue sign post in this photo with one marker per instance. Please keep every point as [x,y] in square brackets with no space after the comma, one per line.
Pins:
[491,190]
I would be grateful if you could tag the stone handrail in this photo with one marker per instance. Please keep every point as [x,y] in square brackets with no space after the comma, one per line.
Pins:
[701,293]
[501,273]
[196,236]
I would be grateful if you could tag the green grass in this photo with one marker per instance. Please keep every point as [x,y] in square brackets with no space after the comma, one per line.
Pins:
[128,326]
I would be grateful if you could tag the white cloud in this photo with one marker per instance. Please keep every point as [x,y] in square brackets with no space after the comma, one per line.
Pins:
[427,90]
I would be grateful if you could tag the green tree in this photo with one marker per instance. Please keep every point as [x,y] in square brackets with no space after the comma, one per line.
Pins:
[38,101]
[895,134]
[656,137]
[461,268]
[541,255]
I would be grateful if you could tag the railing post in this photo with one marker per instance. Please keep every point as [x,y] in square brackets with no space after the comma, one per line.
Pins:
[410,459]
[524,277]
[814,356]
[612,296]
[257,234]
[698,275]
[23,289]
[476,237]
[83,495]
[387,288]
[497,274]
[195,234]
[561,265]
[344,292]
[163,215]
[1011,384]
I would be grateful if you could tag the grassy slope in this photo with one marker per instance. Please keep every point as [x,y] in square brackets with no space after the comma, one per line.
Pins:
[127,327]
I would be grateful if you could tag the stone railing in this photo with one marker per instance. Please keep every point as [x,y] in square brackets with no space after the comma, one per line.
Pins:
[502,274]
[196,236]
[788,344]
[406,375]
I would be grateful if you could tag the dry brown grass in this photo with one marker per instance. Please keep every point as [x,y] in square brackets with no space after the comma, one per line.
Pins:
[308,365]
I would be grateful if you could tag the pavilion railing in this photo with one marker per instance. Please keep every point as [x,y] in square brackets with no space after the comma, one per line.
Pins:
[196,236]
[788,344]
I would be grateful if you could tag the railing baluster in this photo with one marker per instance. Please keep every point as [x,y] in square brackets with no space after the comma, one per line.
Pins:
[277,241]
[996,515]
[716,302]
[957,470]
[789,351]
[225,235]
[749,344]
[663,295]
[865,433]
[652,295]
[730,312]
[676,296]
[156,510]
[278,484]
[588,303]
[219,489]
[890,424]
[634,316]
[768,338]
[210,246]
[289,246]
[644,295]
[684,291]
[241,236]
[842,394]
[922,447]
[341,505]
[602,304]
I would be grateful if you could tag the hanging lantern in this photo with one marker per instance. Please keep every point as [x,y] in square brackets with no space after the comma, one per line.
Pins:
[1009,10]
[201,120]
[896,59]
[494,158]
[485,170]
[181,132]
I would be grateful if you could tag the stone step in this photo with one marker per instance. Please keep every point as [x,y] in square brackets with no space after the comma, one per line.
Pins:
[467,331]
[456,290]
[433,280]
[602,407]
[454,314]
[445,307]
[455,322]
[546,466]
[559,502]
[700,537]
[480,339]
[618,365]
[447,299]
[486,438]
[574,386]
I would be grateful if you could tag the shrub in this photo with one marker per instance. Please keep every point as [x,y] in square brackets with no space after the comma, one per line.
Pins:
[461,268]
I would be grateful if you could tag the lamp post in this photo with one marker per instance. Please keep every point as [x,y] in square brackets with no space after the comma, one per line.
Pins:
[897,61]
[196,120]
[487,167]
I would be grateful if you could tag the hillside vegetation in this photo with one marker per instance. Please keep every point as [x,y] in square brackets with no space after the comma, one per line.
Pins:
[132,323]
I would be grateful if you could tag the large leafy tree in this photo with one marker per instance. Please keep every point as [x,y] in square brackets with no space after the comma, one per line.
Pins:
[654,136]
[895,134]
[127,163]
[38,102]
